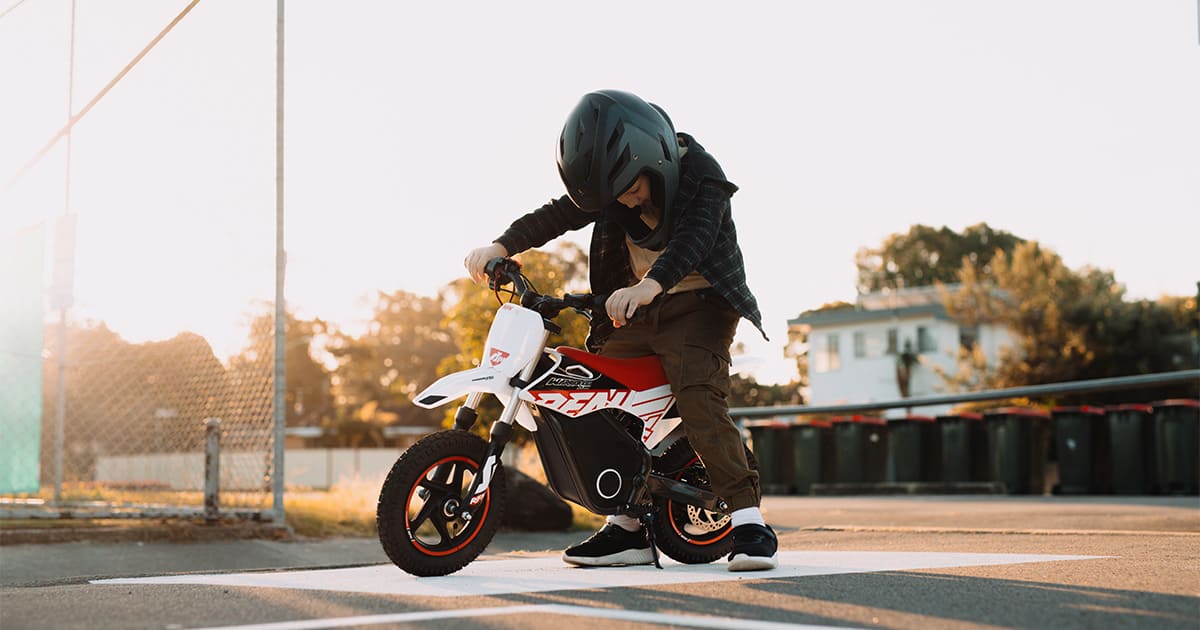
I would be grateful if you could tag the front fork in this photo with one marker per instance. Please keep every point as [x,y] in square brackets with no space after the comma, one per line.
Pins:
[502,430]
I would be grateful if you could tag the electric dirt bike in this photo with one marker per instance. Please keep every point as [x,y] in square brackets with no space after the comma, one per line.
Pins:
[606,430]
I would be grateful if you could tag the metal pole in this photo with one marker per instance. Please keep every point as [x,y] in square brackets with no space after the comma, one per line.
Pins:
[212,469]
[60,409]
[280,406]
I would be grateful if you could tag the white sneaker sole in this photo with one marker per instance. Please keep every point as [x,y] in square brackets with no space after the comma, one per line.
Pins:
[624,558]
[743,562]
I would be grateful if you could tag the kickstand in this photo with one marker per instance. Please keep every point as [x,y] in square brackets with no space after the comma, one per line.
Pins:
[647,521]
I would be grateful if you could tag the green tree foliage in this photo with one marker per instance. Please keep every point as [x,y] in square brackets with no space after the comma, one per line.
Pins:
[123,398]
[471,308]
[1068,325]
[926,256]
[307,391]
[746,391]
[379,371]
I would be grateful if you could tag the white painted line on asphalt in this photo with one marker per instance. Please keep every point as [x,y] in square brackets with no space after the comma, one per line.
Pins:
[548,573]
[693,621]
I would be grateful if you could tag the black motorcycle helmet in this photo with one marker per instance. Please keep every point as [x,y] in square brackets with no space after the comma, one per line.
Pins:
[610,138]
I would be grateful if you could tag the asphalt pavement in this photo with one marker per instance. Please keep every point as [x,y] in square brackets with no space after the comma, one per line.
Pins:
[1099,561]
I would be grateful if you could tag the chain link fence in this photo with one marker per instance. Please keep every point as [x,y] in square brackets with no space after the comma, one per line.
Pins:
[138,262]
[97,424]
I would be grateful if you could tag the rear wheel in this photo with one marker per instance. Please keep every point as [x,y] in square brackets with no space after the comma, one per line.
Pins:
[422,498]
[683,532]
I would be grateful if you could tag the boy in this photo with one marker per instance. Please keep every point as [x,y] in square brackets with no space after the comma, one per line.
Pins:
[662,242]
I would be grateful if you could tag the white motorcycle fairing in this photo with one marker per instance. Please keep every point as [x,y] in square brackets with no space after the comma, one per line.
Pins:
[514,340]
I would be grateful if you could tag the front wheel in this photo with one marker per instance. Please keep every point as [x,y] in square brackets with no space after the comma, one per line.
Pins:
[422,498]
[687,533]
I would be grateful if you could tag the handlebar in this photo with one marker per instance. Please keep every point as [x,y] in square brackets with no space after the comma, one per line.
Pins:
[504,271]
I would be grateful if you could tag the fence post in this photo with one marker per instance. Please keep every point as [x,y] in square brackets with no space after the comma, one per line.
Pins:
[212,469]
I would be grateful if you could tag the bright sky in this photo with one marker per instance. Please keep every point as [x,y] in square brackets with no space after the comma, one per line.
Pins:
[416,131]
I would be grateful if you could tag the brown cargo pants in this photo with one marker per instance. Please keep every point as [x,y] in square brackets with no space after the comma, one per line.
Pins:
[692,332]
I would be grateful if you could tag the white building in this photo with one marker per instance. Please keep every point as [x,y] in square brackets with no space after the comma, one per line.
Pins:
[853,352]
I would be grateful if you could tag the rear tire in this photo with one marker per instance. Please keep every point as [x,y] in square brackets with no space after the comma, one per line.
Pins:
[419,503]
[683,532]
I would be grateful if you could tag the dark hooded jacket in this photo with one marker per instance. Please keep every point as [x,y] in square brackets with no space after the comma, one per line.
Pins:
[702,238]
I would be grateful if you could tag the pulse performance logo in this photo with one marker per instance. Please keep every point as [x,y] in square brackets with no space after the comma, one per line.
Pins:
[573,376]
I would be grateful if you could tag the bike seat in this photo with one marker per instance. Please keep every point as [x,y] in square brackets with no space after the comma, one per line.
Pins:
[639,373]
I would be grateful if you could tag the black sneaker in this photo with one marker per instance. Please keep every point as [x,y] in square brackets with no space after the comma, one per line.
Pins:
[611,546]
[754,548]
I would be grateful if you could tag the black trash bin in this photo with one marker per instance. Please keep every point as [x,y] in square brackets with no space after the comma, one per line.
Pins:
[1081,443]
[915,448]
[964,456]
[771,442]
[812,455]
[1131,452]
[1018,445]
[861,446]
[1177,445]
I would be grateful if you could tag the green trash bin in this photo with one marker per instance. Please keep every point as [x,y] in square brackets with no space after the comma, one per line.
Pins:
[1081,443]
[1131,452]
[770,440]
[1018,445]
[861,446]
[964,457]
[915,448]
[1177,445]
[812,455]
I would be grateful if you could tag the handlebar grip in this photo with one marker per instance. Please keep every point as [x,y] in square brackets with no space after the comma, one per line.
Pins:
[501,271]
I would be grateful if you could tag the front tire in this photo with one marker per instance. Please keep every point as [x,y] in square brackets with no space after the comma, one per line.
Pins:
[422,496]
[687,533]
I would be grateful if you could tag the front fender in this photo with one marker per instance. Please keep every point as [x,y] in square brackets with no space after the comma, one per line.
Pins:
[459,384]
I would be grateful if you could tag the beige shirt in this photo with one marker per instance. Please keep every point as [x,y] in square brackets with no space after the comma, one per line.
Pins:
[642,259]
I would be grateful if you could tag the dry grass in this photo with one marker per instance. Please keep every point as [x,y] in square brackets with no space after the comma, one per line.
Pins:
[346,510]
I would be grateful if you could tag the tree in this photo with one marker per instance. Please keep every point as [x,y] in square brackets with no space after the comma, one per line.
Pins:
[1068,325]
[926,256]
[123,398]
[746,391]
[307,383]
[380,371]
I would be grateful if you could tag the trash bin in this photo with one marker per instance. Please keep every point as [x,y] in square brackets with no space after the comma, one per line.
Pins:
[812,455]
[1177,445]
[1130,452]
[1018,444]
[861,446]
[770,440]
[964,457]
[915,448]
[1081,443]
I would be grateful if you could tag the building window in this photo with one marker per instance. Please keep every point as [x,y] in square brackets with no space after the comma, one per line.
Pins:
[925,341]
[828,357]
[893,341]
[968,337]
[860,345]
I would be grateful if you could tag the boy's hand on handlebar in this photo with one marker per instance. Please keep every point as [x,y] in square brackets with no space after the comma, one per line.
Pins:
[623,303]
[478,258]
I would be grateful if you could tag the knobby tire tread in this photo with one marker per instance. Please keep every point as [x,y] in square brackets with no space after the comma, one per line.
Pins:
[392,507]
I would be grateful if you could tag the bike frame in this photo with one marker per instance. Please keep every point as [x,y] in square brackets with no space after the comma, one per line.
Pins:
[509,370]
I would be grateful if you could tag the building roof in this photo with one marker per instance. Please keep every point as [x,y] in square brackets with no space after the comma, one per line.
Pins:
[882,306]
[838,317]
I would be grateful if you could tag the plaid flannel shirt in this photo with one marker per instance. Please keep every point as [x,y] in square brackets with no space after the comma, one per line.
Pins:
[704,239]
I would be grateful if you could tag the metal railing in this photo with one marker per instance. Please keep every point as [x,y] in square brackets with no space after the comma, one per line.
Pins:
[1030,391]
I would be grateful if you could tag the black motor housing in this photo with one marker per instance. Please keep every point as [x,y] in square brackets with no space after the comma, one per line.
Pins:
[591,460]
